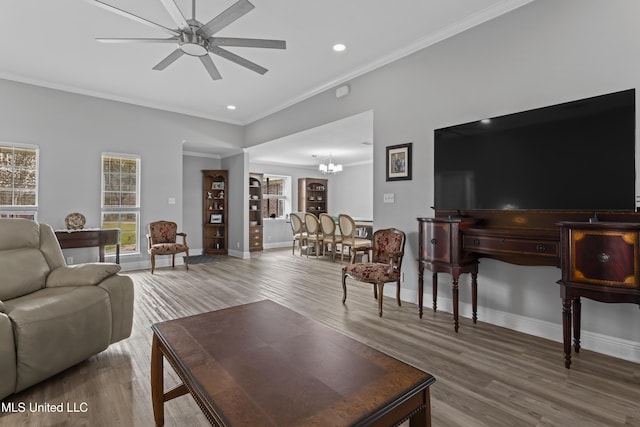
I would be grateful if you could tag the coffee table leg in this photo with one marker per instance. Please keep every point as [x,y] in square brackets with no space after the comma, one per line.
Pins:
[157,382]
[422,418]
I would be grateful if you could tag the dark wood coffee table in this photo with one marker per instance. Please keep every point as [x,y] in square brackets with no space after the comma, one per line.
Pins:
[261,364]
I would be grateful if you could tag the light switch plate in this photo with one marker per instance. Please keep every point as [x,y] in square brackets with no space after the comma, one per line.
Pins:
[172,200]
[389,198]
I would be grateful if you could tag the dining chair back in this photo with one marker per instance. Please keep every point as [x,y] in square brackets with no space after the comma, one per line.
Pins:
[350,240]
[328,226]
[297,228]
[314,233]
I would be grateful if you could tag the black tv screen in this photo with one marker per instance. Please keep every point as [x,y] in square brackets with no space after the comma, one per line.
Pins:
[577,155]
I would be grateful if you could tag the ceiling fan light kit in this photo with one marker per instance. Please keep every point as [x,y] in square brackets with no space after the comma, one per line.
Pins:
[196,39]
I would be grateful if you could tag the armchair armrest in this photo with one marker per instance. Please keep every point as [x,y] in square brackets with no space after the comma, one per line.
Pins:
[81,274]
[2,309]
[394,259]
[184,238]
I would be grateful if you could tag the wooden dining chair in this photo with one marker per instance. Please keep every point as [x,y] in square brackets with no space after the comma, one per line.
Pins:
[350,240]
[328,226]
[314,233]
[299,235]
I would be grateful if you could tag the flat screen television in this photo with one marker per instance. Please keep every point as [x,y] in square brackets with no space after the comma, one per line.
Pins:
[576,156]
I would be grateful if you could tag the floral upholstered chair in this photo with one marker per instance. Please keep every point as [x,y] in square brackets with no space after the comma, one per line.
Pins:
[162,241]
[385,265]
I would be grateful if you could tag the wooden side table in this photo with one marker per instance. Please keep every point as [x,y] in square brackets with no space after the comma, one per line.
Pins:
[599,261]
[99,237]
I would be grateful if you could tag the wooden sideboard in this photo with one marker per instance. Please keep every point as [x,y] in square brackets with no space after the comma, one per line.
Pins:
[88,238]
[599,261]
[453,241]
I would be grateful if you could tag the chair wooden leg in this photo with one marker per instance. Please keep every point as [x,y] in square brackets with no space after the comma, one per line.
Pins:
[186,259]
[380,298]
[173,260]
[153,263]
[344,287]
[398,293]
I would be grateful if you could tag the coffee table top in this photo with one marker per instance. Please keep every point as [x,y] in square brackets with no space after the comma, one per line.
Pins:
[264,364]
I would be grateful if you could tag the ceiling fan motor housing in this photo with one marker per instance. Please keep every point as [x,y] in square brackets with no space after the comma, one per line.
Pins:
[193,44]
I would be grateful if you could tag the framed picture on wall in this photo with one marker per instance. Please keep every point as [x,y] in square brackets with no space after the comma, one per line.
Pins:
[399,162]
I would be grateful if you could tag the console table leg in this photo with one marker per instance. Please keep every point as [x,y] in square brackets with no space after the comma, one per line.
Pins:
[474,295]
[454,292]
[577,308]
[420,287]
[434,291]
[566,331]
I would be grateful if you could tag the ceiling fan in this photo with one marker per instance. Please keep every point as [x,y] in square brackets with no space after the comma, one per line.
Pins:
[197,39]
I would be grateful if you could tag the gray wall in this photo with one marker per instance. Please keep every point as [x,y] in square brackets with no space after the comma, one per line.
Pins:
[544,53]
[349,192]
[73,130]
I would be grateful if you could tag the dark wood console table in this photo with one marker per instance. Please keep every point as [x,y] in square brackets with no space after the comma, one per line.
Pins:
[70,239]
[599,262]
[453,241]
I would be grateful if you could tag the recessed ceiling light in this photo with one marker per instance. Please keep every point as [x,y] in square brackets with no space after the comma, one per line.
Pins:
[231,107]
[339,47]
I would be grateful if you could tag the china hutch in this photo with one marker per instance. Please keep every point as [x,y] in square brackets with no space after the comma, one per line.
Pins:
[312,195]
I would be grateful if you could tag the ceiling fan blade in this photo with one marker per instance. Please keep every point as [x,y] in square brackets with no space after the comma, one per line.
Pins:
[237,59]
[238,42]
[235,11]
[135,40]
[211,67]
[134,17]
[169,60]
[176,15]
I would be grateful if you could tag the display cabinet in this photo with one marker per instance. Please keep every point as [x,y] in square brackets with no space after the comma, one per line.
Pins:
[312,195]
[255,212]
[214,212]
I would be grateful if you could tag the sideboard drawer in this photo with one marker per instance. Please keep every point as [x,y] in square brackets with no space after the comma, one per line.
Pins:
[504,245]
[605,257]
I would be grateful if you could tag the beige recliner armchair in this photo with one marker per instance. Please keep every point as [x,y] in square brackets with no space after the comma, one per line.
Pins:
[53,316]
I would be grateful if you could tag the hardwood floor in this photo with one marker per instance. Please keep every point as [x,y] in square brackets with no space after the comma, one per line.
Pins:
[486,375]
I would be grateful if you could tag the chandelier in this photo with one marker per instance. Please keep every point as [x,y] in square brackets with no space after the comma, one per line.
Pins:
[330,168]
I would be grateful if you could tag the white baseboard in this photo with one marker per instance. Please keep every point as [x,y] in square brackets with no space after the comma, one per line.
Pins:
[276,245]
[600,343]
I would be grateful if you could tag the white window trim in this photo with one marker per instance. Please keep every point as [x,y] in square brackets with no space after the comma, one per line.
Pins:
[24,209]
[123,209]
[286,196]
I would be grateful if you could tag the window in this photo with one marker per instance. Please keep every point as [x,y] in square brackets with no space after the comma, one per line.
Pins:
[18,180]
[276,192]
[121,199]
